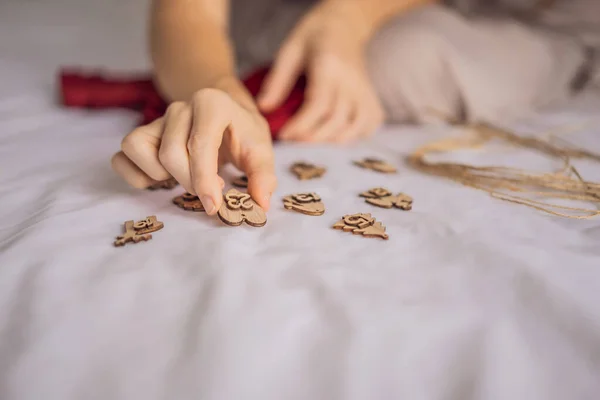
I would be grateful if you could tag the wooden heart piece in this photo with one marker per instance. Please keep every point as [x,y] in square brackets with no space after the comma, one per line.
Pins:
[304,170]
[305,203]
[361,224]
[239,207]
[381,197]
[376,164]
[240,181]
[138,231]
[168,184]
[188,202]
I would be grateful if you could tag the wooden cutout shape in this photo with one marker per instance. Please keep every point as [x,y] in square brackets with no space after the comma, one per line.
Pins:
[239,207]
[376,193]
[139,230]
[376,164]
[240,181]
[167,184]
[304,170]
[305,203]
[403,202]
[362,224]
[188,202]
[381,197]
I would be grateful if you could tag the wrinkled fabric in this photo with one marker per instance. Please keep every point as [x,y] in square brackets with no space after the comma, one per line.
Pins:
[434,60]
[80,89]
[471,297]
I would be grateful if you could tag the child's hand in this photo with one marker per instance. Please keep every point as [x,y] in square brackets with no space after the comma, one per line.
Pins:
[341,104]
[192,140]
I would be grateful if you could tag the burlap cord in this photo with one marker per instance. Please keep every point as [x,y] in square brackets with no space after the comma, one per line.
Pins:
[512,184]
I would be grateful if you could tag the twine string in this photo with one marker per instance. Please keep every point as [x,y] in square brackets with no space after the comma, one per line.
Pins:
[516,185]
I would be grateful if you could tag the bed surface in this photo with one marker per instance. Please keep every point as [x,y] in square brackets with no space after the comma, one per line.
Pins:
[471,298]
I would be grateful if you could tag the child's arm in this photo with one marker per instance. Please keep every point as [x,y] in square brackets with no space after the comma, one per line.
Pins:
[212,119]
[191,49]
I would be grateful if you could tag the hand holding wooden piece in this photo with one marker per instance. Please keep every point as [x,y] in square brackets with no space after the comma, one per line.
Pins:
[239,207]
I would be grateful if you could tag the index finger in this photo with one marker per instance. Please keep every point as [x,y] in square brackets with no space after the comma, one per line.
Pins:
[210,121]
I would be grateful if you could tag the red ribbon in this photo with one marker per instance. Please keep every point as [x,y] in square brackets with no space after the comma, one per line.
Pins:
[95,91]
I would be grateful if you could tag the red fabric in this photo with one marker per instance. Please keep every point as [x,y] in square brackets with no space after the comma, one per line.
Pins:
[95,91]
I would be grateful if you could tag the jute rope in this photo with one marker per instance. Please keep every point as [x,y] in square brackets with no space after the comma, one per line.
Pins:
[512,184]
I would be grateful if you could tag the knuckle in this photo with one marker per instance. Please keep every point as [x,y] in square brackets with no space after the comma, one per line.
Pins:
[176,108]
[208,96]
[168,156]
[131,141]
[196,142]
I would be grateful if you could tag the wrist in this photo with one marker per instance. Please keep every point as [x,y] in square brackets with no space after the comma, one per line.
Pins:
[369,15]
[231,85]
[237,91]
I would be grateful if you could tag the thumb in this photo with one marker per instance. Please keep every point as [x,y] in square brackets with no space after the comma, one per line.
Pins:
[260,170]
[281,79]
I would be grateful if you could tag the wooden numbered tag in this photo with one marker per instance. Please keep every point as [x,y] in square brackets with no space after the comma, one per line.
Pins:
[403,201]
[138,231]
[168,184]
[376,164]
[362,224]
[305,203]
[304,170]
[239,207]
[188,202]
[381,197]
[240,181]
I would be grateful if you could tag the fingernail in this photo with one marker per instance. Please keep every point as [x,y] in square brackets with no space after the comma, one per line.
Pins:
[208,204]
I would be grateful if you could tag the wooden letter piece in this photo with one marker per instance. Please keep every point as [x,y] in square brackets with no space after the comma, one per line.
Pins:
[188,202]
[239,207]
[381,197]
[240,181]
[376,164]
[361,224]
[304,170]
[305,203]
[168,184]
[403,201]
[138,231]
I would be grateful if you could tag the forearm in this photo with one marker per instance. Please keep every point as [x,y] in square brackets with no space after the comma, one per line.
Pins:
[191,50]
[370,15]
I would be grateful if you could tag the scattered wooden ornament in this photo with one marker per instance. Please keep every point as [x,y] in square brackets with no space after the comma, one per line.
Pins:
[304,170]
[362,224]
[376,164]
[188,202]
[239,207]
[138,231]
[381,197]
[240,181]
[167,184]
[305,203]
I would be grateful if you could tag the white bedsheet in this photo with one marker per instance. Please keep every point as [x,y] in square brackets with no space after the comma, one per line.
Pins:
[471,298]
